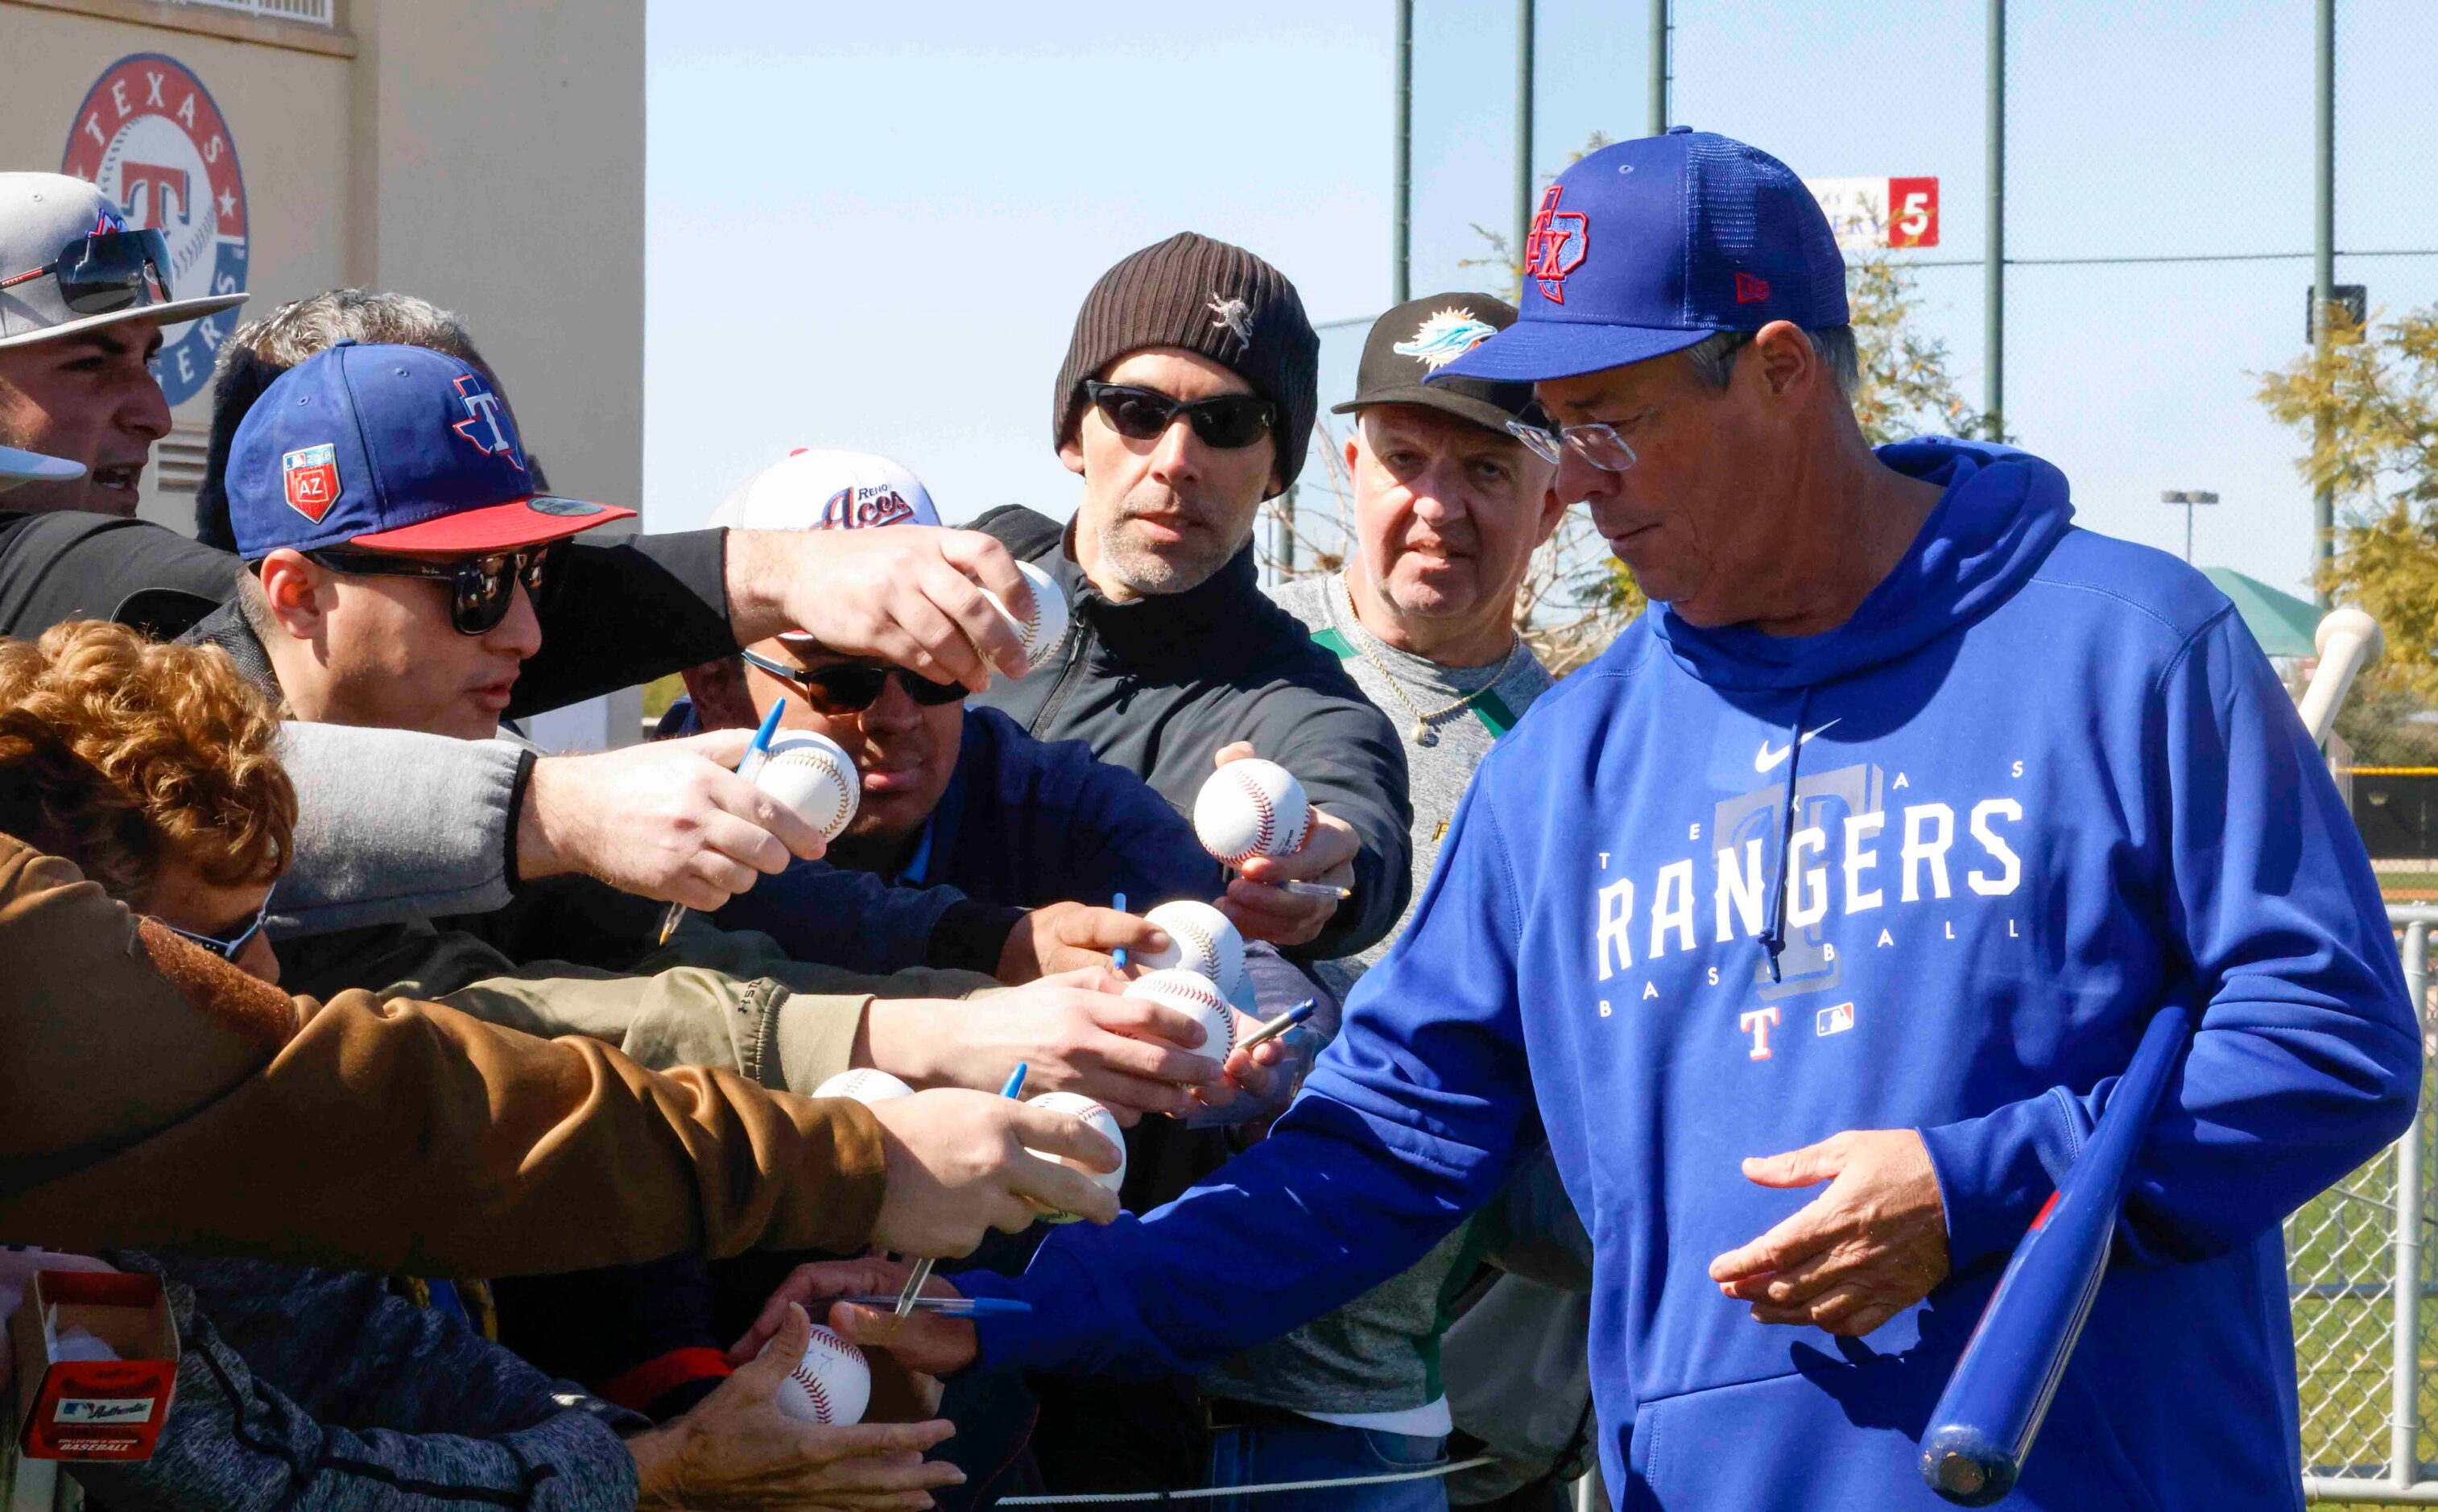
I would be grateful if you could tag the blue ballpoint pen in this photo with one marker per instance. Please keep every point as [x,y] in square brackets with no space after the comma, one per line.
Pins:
[922,1270]
[756,755]
[1119,903]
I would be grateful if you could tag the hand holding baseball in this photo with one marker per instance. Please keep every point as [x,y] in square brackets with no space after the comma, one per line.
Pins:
[1072,1030]
[911,595]
[1259,903]
[670,821]
[1071,937]
[963,1162]
[926,1342]
[739,1449]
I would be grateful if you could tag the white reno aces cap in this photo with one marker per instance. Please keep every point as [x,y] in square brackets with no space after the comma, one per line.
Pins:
[818,490]
[828,490]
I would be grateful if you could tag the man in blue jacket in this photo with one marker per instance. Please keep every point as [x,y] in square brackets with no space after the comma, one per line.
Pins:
[975,845]
[1862,859]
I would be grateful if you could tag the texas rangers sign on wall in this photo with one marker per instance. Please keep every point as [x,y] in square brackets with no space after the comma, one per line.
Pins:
[149,136]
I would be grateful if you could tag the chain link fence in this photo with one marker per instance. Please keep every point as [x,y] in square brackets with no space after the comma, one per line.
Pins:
[2366,1347]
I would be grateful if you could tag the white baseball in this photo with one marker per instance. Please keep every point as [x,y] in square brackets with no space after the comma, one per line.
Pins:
[865,1086]
[1198,998]
[1200,937]
[815,778]
[832,1384]
[1047,630]
[1249,808]
[1104,1123]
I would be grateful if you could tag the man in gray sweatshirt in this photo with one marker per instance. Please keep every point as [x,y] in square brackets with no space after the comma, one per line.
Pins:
[1449,506]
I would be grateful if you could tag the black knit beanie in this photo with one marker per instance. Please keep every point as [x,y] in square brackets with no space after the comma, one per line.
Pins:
[1209,297]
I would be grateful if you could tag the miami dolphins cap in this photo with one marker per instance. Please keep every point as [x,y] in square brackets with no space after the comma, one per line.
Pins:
[17,467]
[68,262]
[823,489]
[1421,336]
[1647,246]
[389,448]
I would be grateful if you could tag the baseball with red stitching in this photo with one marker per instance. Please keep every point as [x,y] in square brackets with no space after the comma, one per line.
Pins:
[865,1085]
[831,1385]
[1198,998]
[815,778]
[1104,1123]
[1045,631]
[1249,808]
[1201,939]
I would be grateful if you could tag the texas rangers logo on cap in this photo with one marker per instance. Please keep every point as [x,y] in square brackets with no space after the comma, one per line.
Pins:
[311,475]
[1555,243]
[487,422]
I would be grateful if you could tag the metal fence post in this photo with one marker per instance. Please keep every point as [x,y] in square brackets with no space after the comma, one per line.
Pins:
[2404,1418]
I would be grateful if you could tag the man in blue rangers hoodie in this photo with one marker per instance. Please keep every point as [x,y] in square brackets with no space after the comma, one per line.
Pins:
[1862,859]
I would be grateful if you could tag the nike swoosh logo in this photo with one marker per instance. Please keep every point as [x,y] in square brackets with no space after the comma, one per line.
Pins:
[1768,760]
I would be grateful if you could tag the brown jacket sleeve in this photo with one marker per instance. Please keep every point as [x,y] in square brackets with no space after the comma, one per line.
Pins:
[148,1111]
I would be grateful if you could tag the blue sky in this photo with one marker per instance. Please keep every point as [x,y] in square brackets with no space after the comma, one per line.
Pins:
[869,226]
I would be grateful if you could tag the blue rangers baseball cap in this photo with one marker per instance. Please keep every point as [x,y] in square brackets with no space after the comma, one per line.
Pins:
[1647,246]
[390,449]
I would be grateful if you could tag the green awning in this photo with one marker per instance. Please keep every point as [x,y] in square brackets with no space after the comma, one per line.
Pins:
[2283,624]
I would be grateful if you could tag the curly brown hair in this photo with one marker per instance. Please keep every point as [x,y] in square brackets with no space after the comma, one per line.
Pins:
[120,754]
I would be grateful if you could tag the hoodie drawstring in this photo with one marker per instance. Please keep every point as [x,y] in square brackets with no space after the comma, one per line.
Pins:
[1774,939]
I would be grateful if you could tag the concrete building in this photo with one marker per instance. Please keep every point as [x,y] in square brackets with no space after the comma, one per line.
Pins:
[484,154]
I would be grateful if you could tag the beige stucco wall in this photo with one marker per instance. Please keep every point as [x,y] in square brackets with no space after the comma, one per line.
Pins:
[486,154]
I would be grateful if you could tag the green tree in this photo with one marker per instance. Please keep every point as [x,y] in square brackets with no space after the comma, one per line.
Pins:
[2377,456]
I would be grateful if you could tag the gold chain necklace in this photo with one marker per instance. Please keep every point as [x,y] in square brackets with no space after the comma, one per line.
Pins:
[1425,736]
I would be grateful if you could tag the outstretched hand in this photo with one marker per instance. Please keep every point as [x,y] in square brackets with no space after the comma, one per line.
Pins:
[922,1340]
[1258,900]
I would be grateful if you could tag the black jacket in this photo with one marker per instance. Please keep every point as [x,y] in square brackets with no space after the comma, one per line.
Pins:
[1159,684]
[619,613]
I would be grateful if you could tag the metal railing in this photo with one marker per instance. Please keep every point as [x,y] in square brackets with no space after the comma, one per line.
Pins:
[2366,1362]
[316,13]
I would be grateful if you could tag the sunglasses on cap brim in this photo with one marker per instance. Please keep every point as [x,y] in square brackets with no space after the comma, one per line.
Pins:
[852,686]
[481,588]
[1226,421]
[107,271]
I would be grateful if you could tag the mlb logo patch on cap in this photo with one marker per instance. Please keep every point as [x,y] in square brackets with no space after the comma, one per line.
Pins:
[311,476]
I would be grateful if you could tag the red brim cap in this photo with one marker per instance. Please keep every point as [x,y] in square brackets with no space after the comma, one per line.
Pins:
[497,527]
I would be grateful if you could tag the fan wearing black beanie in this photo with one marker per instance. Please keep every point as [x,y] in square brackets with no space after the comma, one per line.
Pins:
[1186,399]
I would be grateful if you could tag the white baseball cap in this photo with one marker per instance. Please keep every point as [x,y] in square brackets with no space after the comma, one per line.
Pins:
[69,262]
[817,489]
[33,467]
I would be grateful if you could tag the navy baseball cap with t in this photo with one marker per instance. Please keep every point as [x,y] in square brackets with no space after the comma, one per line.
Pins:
[389,448]
[1647,246]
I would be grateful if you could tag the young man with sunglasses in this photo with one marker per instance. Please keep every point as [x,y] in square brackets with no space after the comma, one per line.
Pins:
[975,845]
[1185,401]
[83,311]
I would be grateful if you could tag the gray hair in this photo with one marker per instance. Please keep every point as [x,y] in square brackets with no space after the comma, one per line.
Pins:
[1714,355]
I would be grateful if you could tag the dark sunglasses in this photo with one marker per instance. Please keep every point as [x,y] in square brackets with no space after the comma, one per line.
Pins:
[107,271]
[852,686]
[225,949]
[481,587]
[1228,421]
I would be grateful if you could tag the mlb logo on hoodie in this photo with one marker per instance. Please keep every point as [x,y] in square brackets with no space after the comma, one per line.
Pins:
[311,476]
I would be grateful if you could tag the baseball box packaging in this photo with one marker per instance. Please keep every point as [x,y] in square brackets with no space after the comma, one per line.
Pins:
[70,1406]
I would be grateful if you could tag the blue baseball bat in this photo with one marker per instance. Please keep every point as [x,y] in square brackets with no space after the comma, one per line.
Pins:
[1983,1428]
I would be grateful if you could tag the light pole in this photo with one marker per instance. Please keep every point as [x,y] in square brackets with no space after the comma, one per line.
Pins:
[2188,497]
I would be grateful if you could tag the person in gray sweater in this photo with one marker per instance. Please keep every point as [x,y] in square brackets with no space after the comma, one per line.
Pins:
[1449,507]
